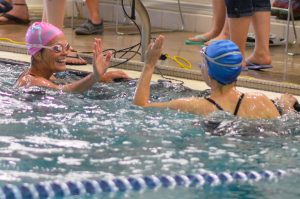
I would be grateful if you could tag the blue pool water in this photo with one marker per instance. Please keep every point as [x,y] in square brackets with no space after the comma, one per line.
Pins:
[47,135]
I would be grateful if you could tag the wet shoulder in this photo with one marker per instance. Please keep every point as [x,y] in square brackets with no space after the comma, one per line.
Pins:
[24,80]
[196,105]
[28,80]
[256,97]
[257,105]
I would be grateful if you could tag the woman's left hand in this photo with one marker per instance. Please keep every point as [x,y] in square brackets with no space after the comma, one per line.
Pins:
[100,62]
[113,75]
[154,51]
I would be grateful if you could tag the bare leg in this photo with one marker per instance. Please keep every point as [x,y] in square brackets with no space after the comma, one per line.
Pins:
[19,11]
[94,12]
[54,12]
[261,25]
[219,15]
[44,13]
[239,35]
[223,35]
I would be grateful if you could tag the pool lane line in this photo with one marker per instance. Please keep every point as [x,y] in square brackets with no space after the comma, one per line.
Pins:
[57,189]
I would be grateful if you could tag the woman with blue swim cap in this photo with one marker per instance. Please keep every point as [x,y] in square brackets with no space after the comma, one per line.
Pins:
[49,48]
[222,64]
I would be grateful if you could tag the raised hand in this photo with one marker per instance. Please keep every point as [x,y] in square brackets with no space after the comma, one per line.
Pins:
[114,75]
[100,62]
[154,51]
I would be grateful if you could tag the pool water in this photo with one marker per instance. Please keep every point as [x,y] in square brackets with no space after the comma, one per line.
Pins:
[48,135]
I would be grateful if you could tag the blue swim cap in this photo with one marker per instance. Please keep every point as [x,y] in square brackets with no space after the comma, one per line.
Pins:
[224,61]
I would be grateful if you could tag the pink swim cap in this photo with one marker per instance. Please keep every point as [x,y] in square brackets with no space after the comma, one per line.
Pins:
[40,33]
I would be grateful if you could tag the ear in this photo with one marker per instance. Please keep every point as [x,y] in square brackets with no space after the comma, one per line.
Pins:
[37,56]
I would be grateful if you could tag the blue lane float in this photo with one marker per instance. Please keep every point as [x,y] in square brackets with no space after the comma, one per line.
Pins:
[58,189]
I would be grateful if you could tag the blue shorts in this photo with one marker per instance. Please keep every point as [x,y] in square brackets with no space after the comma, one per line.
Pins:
[243,8]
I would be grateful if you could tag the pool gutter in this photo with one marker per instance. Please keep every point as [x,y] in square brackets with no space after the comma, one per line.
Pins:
[247,82]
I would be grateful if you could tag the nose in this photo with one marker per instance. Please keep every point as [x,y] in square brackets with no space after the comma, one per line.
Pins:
[66,48]
[65,51]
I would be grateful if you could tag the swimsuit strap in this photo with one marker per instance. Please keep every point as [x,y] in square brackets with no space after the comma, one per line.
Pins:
[221,109]
[214,103]
[238,104]
[279,109]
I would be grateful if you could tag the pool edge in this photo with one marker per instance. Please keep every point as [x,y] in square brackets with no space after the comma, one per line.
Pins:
[243,81]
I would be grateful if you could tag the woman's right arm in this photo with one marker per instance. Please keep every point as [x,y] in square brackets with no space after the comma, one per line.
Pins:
[100,64]
[142,92]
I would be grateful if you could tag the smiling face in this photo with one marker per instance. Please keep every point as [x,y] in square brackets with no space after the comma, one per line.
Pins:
[54,57]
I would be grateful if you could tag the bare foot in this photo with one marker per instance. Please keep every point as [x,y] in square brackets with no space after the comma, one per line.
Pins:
[262,59]
[203,37]
[73,58]
[219,37]
[244,64]
[19,11]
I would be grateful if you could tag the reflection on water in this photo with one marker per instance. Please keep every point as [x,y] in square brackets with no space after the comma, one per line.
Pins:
[50,135]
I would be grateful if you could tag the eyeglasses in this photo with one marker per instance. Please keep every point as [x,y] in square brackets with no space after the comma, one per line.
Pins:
[57,48]
[204,57]
[203,51]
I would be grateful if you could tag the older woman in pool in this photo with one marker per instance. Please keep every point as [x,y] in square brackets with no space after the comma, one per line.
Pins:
[48,48]
[222,64]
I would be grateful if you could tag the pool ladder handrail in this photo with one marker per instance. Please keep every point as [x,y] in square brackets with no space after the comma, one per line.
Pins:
[146,26]
[290,17]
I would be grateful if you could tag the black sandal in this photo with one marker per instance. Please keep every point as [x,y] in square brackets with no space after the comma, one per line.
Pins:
[13,19]
[6,6]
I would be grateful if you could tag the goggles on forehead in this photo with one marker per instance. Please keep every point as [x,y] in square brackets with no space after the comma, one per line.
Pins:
[213,60]
[57,48]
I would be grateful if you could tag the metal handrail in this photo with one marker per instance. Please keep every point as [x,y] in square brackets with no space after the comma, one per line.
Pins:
[287,31]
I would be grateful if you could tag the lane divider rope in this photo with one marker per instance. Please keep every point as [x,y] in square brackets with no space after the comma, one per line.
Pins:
[57,189]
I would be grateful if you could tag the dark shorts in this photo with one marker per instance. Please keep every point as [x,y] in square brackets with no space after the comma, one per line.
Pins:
[243,8]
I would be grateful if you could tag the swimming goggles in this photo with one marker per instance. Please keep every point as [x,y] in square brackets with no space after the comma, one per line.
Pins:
[213,60]
[57,48]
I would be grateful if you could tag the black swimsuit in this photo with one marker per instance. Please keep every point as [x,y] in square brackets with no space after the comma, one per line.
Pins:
[221,109]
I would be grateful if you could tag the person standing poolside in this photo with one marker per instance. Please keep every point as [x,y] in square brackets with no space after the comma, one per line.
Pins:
[94,24]
[54,13]
[222,64]
[219,29]
[48,48]
[240,13]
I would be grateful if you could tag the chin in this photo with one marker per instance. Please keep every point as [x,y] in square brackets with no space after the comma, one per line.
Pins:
[61,68]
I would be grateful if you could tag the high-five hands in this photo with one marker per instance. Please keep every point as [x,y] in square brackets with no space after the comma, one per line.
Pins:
[100,62]
[154,51]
